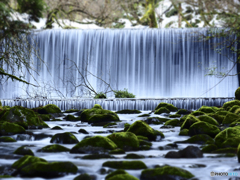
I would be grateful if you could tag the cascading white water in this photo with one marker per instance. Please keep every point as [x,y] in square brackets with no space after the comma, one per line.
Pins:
[148,62]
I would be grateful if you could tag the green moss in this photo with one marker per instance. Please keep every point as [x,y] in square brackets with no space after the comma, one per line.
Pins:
[197,113]
[183,132]
[182,119]
[190,120]
[231,142]
[26,161]
[173,122]
[156,120]
[165,172]
[117,151]
[71,118]
[226,150]
[7,128]
[234,108]
[174,115]
[183,112]
[54,148]
[128,111]
[230,132]
[57,128]
[114,173]
[134,156]
[109,125]
[50,108]
[64,138]
[230,117]
[7,139]
[95,141]
[142,129]
[209,148]
[123,177]
[218,118]
[23,150]
[161,110]
[207,109]
[134,165]
[125,140]
[97,110]
[97,156]
[144,115]
[208,119]
[203,128]
[229,104]
[45,117]
[199,139]
[84,176]
[235,123]
[238,153]
[170,107]
[142,138]
[237,94]
[6,176]
[126,126]
[222,113]
[71,110]
[45,169]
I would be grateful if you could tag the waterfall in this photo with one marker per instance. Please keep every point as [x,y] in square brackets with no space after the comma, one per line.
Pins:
[150,63]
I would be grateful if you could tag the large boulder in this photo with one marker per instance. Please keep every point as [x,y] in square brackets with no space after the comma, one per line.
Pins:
[23,150]
[134,165]
[54,148]
[120,175]
[203,128]
[208,119]
[165,173]
[228,105]
[125,140]
[227,133]
[64,138]
[48,109]
[7,128]
[24,117]
[188,152]
[94,144]
[98,114]
[143,129]
[170,107]
[207,109]
[230,117]
[190,120]
[198,139]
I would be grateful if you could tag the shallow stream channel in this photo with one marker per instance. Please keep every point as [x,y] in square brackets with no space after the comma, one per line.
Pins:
[199,166]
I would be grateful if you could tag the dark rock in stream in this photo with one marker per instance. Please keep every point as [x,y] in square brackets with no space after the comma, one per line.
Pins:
[64,138]
[83,131]
[41,136]
[23,150]
[188,152]
[85,176]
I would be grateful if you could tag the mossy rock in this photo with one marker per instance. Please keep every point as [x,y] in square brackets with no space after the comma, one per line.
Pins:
[72,118]
[144,115]
[228,105]
[134,165]
[45,169]
[237,111]
[218,118]
[142,138]
[170,107]
[144,145]
[156,120]
[26,161]
[64,138]
[117,151]
[7,128]
[7,139]
[120,174]
[198,113]
[208,119]
[226,150]
[162,110]
[231,142]
[45,117]
[126,126]
[54,148]
[143,129]
[174,115]
[125,140]
[133,156]
[182,119]
[24,117]
[230,132]
[83,176]
[198,139]
[203,128]
[57,128]
[23,150]
[235,123]
[5,176]
[94,144]
[128,111]
[209,148]
[98,156]
[109,125]
[222,113]
[99,114]
[48,109]
[83,131]
[183,112]
[71,110]
[238,153]
[165,172]
[183,132]
[207,109]
[190,120]
[234,108]
[173,122]
[230,117]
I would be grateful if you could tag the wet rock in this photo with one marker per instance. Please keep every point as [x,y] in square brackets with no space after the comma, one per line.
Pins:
[72,118]
[190,120]
[48,109]
[95,144]
[134,156]
[207,109]
[23,150]
[109,125]
[104,171]
[183,132]
[198,113]
[98,156]
[226,150]
[231,142]
[174,115]
[120,174]
[197,166]
[125,140]
[173,122]
[85,176]
[41,136]
[217,117]
[230,132]
[54,148]
[162,110]
[168,106]
[99,118]
[83,131]
[117,151]
[45,117]
[208,119]
[198,139]
[203,128]
[173,154]
[71,110]
[209,148]
[228,105]
[168,146]
[155,120]
[7,139]
[128,111]
[134,165]
[165,173]
[79,112]
[166,127]
[191,152]
[230,118]
[7,128]
[183,112]
[64,138]
[144,115]
[57,128]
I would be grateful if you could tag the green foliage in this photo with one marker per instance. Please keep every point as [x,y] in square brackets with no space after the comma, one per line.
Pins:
[123,94]
[100,95]
[172,12]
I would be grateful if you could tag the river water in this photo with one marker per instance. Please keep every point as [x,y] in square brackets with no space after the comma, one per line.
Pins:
[153,157]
